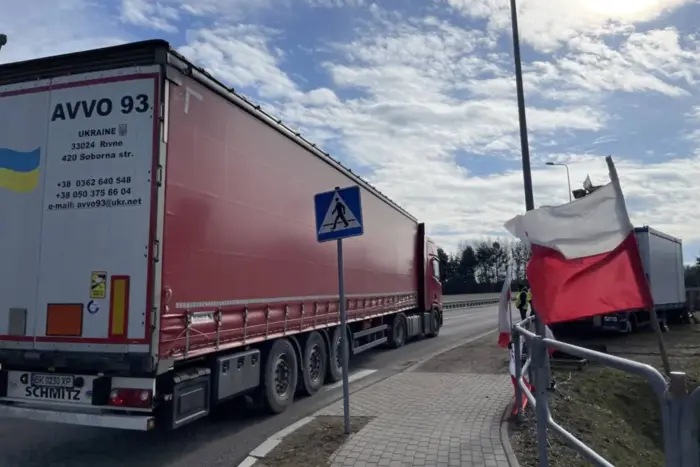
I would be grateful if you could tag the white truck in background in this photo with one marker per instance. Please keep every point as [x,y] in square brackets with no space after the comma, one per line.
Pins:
[662,258]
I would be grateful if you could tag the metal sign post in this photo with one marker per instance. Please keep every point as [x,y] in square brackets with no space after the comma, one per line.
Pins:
[339,216]
[344,344]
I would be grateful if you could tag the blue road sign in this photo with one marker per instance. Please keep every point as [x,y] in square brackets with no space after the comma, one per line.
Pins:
[338,214]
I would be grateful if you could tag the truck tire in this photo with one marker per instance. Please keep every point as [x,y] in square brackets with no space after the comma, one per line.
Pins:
[314,363]
[280,377]
[434,324]
[335,362]
[398,331]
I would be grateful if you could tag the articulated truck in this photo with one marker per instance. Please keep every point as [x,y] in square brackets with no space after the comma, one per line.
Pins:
[159,252]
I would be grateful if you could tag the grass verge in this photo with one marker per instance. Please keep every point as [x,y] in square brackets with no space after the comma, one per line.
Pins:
[313,444]
[615,413]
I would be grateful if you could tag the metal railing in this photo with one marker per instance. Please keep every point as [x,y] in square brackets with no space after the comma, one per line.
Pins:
[679,408]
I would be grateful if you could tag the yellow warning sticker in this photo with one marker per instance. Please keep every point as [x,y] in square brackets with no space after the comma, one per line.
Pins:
[98,284]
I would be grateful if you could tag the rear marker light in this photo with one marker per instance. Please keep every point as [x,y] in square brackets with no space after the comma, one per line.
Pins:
[128,397]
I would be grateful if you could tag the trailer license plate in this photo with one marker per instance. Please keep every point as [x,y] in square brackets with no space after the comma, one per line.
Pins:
[52,381]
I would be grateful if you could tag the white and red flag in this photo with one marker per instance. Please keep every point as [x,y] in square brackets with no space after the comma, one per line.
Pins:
[505,324]
[585,258]
[511,369]
[504,312]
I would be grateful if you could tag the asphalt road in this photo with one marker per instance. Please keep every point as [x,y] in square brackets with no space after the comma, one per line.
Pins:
[225,438]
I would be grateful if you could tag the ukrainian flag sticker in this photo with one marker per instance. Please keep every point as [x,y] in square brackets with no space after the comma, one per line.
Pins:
[19,171]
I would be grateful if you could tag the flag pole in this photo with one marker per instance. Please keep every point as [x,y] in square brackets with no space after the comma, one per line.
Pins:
[652,311]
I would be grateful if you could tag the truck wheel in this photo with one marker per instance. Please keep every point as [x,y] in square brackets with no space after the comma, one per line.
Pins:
[397,334]
[315,363]
[434,324]
[335,358]
[280,377]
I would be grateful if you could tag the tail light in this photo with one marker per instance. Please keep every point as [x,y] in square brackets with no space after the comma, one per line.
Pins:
[128,397]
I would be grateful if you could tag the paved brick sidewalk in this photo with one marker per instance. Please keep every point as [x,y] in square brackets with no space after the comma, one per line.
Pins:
[428,419]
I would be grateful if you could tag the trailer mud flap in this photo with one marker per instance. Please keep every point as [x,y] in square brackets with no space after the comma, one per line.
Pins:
[190,398]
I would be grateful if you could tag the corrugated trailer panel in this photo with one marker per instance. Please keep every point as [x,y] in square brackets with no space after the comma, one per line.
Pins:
[662,257]
[239,242]
[643,243]
[680,268]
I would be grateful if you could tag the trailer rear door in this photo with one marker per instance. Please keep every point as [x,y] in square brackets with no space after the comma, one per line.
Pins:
[76,182]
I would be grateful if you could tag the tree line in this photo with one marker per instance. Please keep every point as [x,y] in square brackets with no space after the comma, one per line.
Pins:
[481,267]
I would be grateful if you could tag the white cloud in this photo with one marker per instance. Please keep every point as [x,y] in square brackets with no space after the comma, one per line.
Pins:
[336,3]
[240,55]
[409,98]
[161,15]
[50,28]
[149,14]
[412,116]
[549,24]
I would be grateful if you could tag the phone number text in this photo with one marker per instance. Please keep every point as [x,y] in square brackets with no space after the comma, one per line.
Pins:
[90,182]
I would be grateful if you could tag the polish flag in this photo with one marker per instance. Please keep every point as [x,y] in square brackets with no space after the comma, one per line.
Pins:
[513,380]
[504,312]
[585,258]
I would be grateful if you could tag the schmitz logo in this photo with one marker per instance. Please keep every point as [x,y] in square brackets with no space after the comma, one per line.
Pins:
[52,393]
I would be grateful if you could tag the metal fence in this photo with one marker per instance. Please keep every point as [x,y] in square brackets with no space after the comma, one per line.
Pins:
[679,407]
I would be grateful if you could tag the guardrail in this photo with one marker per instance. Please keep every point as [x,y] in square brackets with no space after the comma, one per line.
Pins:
[469,303]
[679,408]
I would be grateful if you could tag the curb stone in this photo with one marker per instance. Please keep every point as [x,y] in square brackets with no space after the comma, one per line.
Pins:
[273,441]
[505,439]
[264,448]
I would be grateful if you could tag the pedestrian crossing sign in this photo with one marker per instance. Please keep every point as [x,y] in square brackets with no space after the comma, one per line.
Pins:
[338,214]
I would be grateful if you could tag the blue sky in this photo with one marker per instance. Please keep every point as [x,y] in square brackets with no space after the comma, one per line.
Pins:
[419,96]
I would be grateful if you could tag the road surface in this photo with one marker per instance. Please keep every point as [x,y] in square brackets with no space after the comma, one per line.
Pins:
[226,438]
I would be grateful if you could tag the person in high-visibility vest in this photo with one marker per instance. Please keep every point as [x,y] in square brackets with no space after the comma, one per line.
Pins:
[522,300]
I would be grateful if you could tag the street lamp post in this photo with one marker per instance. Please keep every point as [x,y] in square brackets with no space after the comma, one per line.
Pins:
[568,176]
[542,373]
[524,145]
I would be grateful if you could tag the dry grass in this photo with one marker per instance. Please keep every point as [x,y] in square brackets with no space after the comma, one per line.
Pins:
[615,413]
[313,444]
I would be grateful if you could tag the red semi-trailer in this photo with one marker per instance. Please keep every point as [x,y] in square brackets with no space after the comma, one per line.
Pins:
[159,248]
